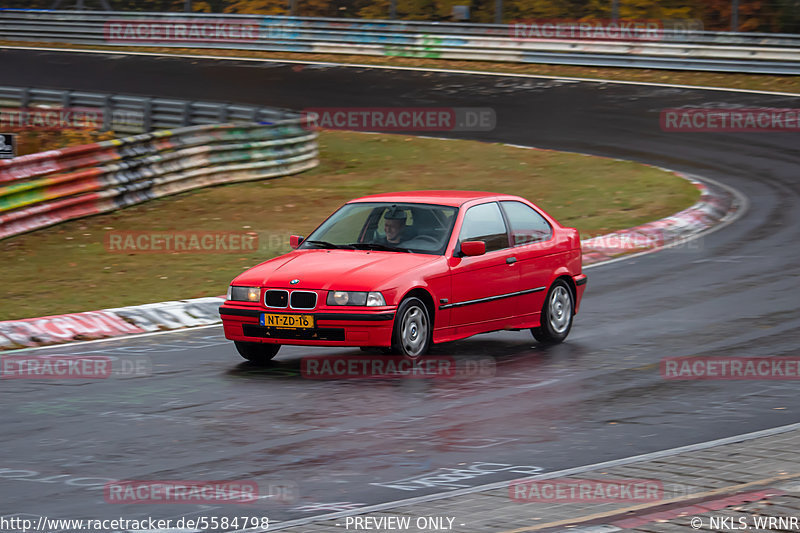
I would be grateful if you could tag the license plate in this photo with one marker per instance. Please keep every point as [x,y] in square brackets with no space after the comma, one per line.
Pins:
[287,321]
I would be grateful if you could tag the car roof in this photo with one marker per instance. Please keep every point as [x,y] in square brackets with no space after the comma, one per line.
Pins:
[453,198]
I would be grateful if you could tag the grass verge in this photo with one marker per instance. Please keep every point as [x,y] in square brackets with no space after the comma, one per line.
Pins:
[67,268]
[754,82]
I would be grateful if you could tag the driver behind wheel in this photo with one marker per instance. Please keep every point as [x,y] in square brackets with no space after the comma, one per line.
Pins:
[394,226]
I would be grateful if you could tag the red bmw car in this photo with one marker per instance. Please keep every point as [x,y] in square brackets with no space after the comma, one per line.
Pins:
[404,270]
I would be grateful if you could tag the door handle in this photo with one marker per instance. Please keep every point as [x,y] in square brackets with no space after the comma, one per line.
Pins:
[511,260]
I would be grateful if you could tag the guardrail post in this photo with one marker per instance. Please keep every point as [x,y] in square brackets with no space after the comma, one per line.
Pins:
[187,114]
[147,115]
[108,113]
[222,114]
[66,99]
[25,97]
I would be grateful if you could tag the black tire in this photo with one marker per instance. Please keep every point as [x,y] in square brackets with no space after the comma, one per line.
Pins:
[557,314]
[257,352]
[413,329]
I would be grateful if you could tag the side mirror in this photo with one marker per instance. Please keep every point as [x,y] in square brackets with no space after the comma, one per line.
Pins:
[473,248]
[295,241]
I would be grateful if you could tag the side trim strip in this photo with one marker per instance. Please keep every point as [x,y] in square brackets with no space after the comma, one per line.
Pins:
[355,317]
[491,298]
[255,313]
[581,281]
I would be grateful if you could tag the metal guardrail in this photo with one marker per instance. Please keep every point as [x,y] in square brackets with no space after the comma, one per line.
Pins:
[40,190]
[676,49]
[134,114]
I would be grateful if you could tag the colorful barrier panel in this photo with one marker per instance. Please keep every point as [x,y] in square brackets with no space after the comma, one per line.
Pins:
[43,189]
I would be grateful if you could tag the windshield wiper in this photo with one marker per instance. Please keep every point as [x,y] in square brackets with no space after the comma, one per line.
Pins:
[326,244]
[376,246]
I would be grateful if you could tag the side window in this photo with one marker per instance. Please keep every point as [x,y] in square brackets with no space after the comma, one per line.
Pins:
[527,225]
[485,223]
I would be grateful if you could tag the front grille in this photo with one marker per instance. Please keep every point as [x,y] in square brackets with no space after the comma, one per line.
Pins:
[304,300]
[274,298]
[317,334]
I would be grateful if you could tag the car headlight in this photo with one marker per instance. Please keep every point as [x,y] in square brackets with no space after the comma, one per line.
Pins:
[244,294]
[370,299]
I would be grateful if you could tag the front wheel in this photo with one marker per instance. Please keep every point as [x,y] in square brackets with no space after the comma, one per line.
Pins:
[412,329]
[257,352]
[557,313]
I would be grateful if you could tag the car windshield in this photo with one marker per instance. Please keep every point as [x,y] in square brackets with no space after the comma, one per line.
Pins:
[396,227]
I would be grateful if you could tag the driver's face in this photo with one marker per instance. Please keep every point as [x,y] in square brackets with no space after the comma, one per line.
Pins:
[393,228]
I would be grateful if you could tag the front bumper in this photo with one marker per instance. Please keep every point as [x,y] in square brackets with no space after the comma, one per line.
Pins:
[331,328]
[580,286]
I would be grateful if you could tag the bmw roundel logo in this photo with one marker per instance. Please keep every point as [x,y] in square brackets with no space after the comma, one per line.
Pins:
[295,281]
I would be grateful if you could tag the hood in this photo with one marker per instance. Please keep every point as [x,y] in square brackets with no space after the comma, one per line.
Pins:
[333,269]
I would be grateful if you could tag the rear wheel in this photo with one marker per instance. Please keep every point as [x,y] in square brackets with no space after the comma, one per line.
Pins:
[557,313]
[257,352]
[412,329]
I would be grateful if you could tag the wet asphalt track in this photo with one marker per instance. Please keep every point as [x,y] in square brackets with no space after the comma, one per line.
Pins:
[203,414]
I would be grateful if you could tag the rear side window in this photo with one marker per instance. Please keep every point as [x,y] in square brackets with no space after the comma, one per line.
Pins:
[527,225]
[485,223]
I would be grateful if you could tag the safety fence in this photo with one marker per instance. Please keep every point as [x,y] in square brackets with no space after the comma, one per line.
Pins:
[43,189]
[646,47]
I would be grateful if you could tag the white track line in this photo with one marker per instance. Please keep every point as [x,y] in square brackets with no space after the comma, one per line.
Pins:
[397,67]
[548,475]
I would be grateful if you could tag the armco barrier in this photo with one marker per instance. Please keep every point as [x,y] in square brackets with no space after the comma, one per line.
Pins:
[676,49]
[131,114]
[40,190]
